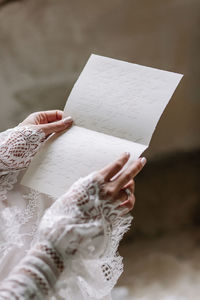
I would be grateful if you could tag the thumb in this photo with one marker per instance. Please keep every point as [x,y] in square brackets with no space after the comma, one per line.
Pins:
[56,126]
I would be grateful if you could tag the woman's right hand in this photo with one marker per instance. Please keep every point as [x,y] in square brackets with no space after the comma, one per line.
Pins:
[79,222]
[90,206]
[122,187]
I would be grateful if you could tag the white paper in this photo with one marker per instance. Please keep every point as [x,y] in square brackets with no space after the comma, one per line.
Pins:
[120,99]
[116,106]
[72,155]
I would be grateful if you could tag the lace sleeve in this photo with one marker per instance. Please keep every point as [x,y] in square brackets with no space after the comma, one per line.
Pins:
[18,146]
[77,228]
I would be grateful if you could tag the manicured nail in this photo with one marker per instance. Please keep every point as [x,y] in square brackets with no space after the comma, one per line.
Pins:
[67,120]
[143,161]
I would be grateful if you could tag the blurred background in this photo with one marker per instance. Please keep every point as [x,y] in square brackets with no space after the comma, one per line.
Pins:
[44,44]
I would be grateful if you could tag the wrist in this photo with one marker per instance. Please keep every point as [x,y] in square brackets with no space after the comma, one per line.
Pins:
[49,254]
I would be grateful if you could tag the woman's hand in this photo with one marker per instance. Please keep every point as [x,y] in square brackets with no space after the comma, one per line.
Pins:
[79,223]
[122,186]
[49,121]
[22,142]
[92,204]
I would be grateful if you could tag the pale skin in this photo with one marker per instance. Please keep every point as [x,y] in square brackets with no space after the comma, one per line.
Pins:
[52,121]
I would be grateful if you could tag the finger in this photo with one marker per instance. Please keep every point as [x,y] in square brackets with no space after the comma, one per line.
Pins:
[129,203]
[48,116]
[130,185]
[53,115]
[57,126]
[112,169]
[122,196]
[130,173]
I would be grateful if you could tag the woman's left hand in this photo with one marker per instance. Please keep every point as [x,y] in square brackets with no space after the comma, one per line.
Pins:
[49,121]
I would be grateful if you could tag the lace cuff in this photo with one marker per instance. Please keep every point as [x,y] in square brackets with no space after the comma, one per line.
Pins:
[77,242]
[35,276]
[86,230]
[18,146]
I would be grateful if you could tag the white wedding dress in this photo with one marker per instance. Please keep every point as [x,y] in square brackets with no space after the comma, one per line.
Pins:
[71,251]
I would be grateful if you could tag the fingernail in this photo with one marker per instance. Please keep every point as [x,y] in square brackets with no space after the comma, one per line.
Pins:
[67,120]
[143,161]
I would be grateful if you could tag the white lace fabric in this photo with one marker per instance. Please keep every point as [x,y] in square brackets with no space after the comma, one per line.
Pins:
[17,148]
[19,207]
[76,240]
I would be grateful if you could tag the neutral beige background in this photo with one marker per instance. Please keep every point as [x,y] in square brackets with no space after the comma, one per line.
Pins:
[45,44]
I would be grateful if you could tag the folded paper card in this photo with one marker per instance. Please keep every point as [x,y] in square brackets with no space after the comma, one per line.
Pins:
[116,106]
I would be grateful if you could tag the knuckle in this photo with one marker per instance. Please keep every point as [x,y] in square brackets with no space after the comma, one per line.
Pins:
[42,118]
[109,191]
[131,185]
[59,112]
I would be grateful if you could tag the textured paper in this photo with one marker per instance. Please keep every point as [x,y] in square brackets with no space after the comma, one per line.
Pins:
[116,106]
[73,154]
[120,99]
